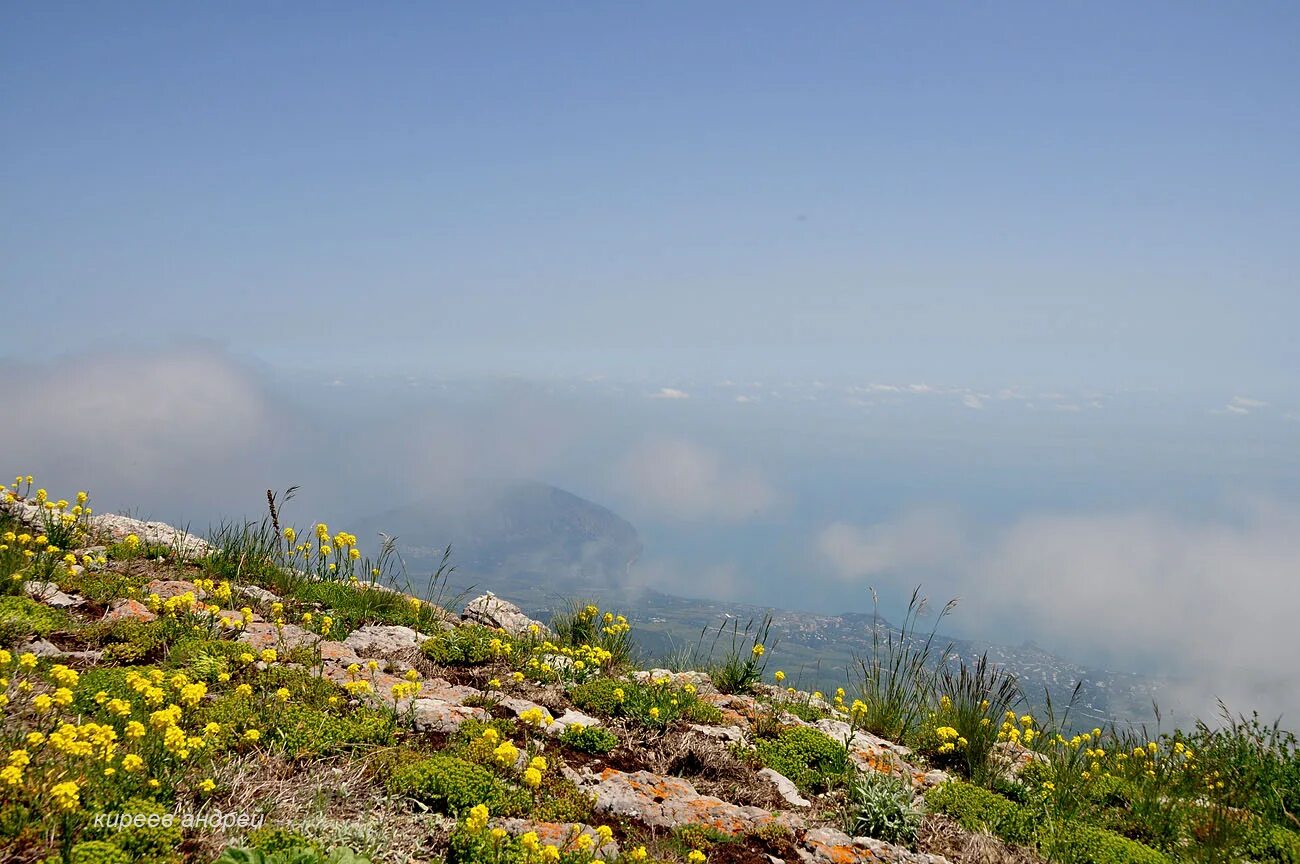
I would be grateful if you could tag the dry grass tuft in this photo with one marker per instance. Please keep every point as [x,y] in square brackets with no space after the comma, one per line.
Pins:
[940,835]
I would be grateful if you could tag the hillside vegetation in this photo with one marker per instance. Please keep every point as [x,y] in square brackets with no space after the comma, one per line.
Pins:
[268,695]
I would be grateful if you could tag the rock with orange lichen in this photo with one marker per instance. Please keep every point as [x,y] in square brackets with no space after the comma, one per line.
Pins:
[665,802]
[872,753]
[562,835]
[127,608]
[828,846]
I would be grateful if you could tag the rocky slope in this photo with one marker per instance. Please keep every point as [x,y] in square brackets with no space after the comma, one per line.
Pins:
[149,671]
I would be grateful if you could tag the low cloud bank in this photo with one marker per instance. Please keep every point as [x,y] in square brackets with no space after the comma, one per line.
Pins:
[1216,601]
[677,479]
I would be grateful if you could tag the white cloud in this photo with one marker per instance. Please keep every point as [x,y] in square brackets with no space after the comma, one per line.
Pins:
[920,539]
[1211,599]
[970,400]
[679,479]
[1241,405]
[157,429]
[670,393]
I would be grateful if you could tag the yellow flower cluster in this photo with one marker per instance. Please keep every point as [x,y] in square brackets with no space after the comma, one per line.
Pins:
[951,738]
[1021,730]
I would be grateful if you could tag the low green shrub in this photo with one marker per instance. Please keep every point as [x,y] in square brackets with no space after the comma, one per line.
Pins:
[583,624]
[1271,843]
[127,640]
[1084,844]
[98,852]
[107,679]
[812,760]
[589,739]
[450,783]
[157,844]
[22,618]
[805,711]
[306,688]
[467,645]
[276,838]
[559,800]
[655,705]
[703,837]
[307,732]
[880,805]
[979,809]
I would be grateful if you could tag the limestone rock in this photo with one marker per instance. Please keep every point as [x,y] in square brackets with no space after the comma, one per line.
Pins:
[434,715]
[378,639]
[491,611]
[730,734]
[570,718]
[42,648]
[785,788]
[702,683]
[260,595]
[666,802]
[872,753]
[49,594]
[264,634]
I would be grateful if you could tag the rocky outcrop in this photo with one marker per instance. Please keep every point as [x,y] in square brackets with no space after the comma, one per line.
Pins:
[375,640]
[665,802]
[785,788]
[491,611]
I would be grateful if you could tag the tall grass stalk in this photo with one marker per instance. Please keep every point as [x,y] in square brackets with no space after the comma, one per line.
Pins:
[973,700]
[895,682]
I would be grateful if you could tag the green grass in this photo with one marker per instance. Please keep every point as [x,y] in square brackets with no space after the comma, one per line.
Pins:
[895,681]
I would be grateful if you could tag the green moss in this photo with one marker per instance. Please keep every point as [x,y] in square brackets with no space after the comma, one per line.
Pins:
[467,645]
[589,739]
[978,809]
[812,760]
[22,618]
[450,783]
[1089,845]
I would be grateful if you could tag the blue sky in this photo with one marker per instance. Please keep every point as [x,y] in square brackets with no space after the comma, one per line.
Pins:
[1091,194]
[1000,297]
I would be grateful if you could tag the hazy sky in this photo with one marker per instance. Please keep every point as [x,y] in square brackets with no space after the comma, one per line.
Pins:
[1002,297]
[1099,194]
